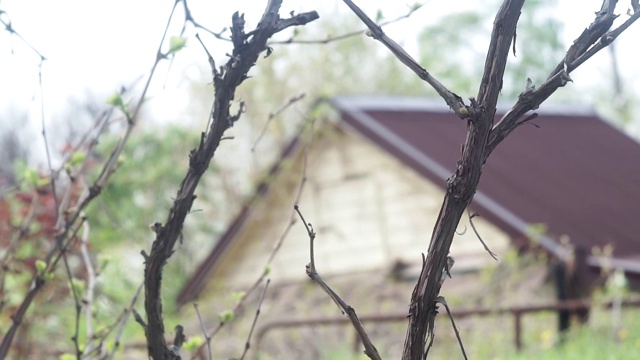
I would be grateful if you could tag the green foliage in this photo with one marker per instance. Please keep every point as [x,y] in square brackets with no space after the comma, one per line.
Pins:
[176,43]
[342,353]
[77,158]
[141,190]
[115,100]
[193,343]
[226,316]
[594,342]
[29,178]
[267,270]
[237,296]
[77,286]
[41,266]
[140,193]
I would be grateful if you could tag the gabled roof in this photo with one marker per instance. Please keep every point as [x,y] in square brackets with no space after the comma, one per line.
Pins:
[572,172]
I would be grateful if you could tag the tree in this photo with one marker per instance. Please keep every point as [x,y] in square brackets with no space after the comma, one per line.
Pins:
[482,138]
[70,192]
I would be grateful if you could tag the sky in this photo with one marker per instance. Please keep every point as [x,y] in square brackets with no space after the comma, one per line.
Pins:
[94,47]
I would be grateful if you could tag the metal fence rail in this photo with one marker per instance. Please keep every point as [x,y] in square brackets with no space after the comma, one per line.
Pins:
[516,311]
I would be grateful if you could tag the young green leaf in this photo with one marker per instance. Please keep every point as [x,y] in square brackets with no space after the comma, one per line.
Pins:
[176,43]
[78,286]
[193,343]
[77,158]
[41,266]
[237,296]
[115,100]
[225,316]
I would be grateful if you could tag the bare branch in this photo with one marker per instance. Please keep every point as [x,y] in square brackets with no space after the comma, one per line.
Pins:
[255,321]
[473,226]
[593,39]
[189,18]
[604,41]
[602,23]
[247,48]
[272,115]
[462,185]
[204,331]
[442,301]
[8,26]
[454,101]
[328,39]
[278,244]
[52,176]
[125,318]
[91,283]
[78,306]
[68,215]
[370,349]
[504,29]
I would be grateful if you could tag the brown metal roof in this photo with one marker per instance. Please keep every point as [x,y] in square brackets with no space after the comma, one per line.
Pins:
[574,173]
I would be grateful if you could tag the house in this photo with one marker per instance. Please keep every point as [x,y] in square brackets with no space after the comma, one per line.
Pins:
[375,180]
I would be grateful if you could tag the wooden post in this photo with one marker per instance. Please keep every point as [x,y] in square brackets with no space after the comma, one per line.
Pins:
[517,315]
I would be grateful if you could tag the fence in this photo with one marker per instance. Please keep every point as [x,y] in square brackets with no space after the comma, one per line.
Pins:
[516,311]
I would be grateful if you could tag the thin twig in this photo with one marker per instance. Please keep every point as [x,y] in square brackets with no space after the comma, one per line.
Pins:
[296,200]
[278,244]
[78,305]
[68,215]
[139,319]
[255,321]
[124,321]
[272,115]
[91,282]
[442,301]
[52,176]
[189,18]
[9,28]
[328,39]
[471,216]
[204,330]
[370,349]
[454,101]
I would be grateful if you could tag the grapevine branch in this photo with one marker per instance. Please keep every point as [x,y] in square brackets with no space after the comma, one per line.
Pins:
[247,47]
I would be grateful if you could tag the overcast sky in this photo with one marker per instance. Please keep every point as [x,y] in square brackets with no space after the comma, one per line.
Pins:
[96,46]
